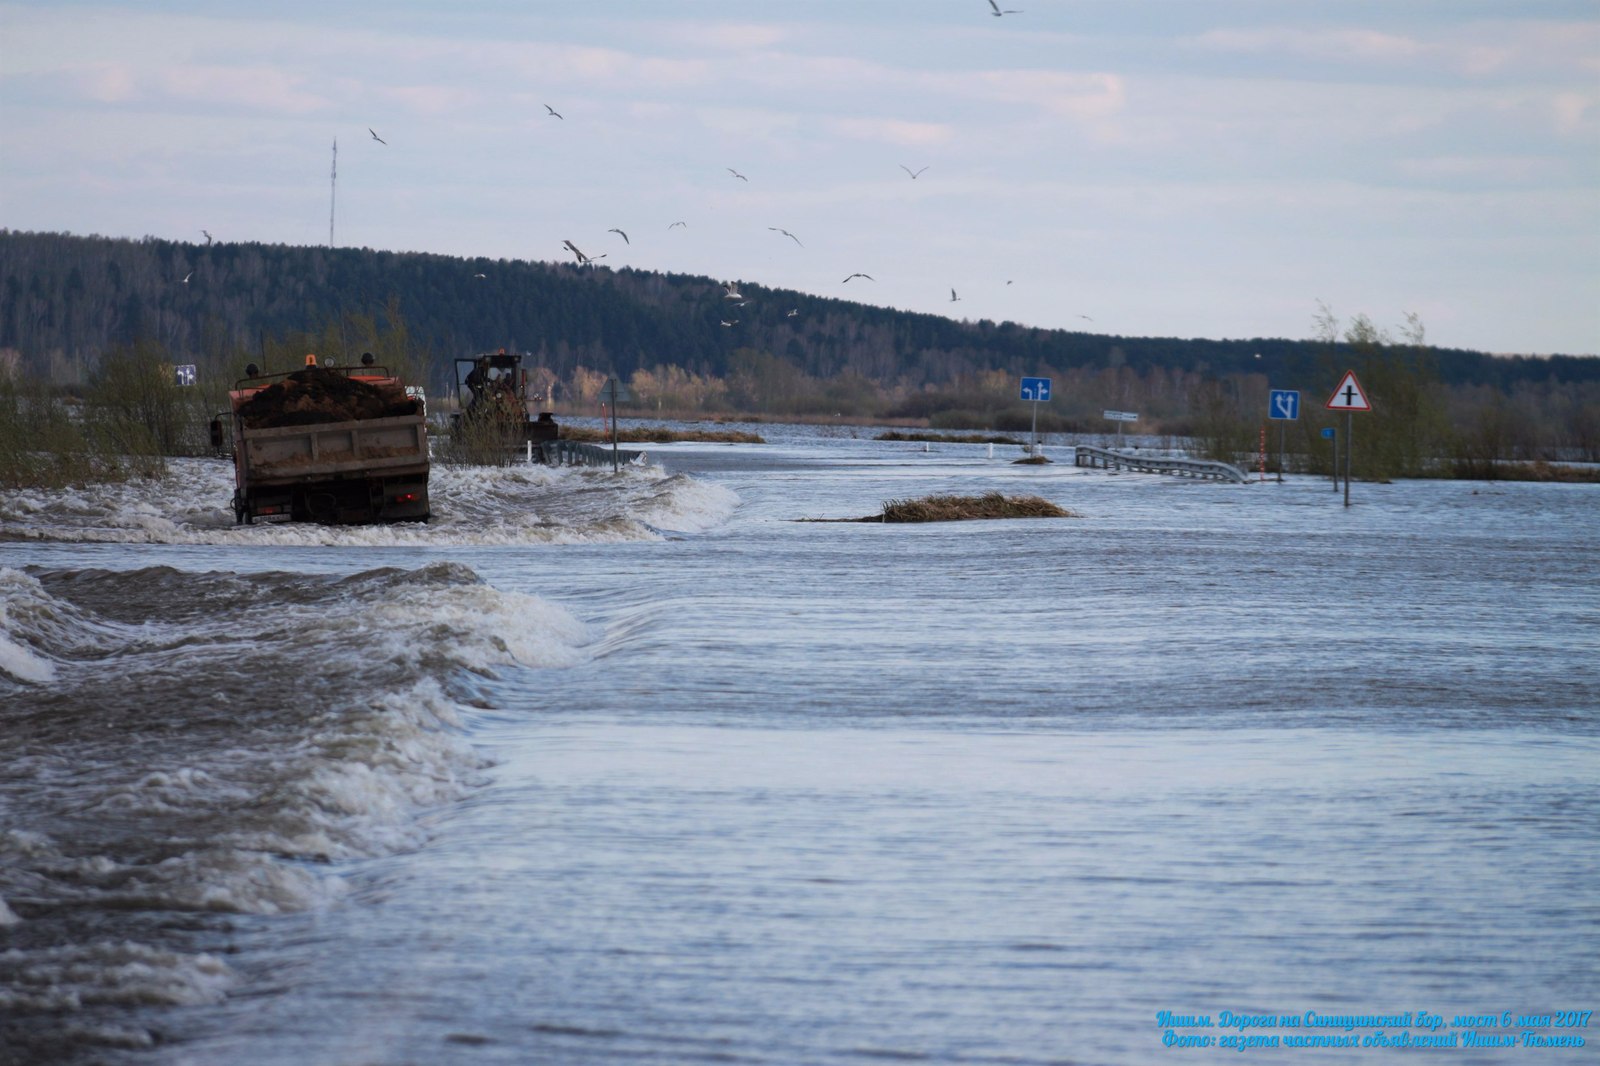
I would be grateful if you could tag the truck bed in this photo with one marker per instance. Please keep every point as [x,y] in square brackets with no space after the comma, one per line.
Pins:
[316,452]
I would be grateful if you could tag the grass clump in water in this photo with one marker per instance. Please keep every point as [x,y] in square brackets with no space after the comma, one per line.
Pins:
[958,508]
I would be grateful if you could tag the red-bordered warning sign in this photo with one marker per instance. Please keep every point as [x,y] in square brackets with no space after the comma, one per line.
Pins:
[1348,396]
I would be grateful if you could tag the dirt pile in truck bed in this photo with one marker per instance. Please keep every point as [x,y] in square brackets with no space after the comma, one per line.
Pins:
[317,395]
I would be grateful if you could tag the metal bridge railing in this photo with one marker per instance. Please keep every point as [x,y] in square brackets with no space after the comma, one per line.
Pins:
[577,453]
[1088,455]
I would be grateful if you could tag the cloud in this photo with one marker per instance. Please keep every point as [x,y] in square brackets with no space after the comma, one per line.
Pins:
[1481,49]
[1072,95]
[259,88]
[892,131]
[1496,169]
[1363,45]
[730,36]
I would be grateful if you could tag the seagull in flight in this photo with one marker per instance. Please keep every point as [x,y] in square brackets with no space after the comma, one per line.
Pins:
[675,225]
[732,291]
[725,322]
[187,276]
[792,313]
[787,234]
[554,112]
[624,235]
[1086,318]
[913,173]
[480,275]
[208,235]
[997,12]
[738,175]
[375,136]
[953,296]
[582,259]
[869,277]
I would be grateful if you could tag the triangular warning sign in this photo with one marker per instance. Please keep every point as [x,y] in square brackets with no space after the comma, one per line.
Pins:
[1348,396]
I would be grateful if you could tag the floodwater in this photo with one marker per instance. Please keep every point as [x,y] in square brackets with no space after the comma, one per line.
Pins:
[640,767]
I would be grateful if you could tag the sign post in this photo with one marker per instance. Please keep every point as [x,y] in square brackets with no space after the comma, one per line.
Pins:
[1331,436]
[1038,391]
[1349,398]
[1120,417]
[1283,406]
[617,392]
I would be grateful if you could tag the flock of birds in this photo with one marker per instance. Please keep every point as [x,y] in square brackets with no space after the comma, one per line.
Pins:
[730,289]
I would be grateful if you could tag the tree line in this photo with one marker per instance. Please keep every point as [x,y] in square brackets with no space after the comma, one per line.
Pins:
[73,309]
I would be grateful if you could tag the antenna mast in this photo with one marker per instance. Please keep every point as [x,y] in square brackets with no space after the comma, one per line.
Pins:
[333,189]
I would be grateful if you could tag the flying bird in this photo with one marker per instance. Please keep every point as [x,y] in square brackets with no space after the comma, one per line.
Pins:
[732,291]
[738,175]
[869,277]
[582,259]
[792,313]
[997,12]
[913,173]
[375,136]
[675,225]
[480,275]
[725,322]
[1086,318]
[787,234]
[953,296]
[208,235]
[554,112]
[187,276]
[624,235]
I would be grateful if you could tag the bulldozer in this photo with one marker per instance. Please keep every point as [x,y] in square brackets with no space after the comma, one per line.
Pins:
[495,405]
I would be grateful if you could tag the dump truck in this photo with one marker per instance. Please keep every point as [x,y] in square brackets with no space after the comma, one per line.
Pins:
[495,403]
[335,445]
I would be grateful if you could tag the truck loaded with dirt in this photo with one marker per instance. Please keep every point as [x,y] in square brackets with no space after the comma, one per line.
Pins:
[336,445]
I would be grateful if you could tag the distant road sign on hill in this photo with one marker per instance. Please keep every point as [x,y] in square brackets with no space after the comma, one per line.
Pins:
[1036,389]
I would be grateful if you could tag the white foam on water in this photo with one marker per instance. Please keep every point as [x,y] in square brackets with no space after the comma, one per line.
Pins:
[475,506]
[685,505]
[117,973]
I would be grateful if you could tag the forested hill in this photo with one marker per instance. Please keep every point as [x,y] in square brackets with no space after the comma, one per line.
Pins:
[66,299]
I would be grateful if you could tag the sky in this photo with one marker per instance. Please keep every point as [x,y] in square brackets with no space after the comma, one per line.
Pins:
[1173,168]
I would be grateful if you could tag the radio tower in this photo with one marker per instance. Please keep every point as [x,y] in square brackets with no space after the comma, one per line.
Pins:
[333,189]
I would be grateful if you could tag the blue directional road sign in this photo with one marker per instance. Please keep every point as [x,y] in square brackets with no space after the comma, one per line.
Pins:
[1284,404]
[186,374]
[1036,389]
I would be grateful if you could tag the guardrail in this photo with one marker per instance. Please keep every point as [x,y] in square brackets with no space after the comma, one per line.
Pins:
[577,453]
[1090,456]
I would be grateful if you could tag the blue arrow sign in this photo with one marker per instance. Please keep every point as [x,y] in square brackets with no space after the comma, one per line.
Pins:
[1284,404]
[1327,434]
[1036,389]
[186,374]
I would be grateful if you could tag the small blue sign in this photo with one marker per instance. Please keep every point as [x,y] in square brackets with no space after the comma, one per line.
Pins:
[186,374]
[1284,404]
[1036,389]
[1327,434]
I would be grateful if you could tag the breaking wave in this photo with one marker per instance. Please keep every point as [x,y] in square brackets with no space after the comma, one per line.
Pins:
[218,743]
[471,506]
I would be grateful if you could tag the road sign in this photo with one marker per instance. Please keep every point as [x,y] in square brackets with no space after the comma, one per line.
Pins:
[1327,433]
[1036,389]
[1121,416]
[185,374]
[1284,404]
[1348,396]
